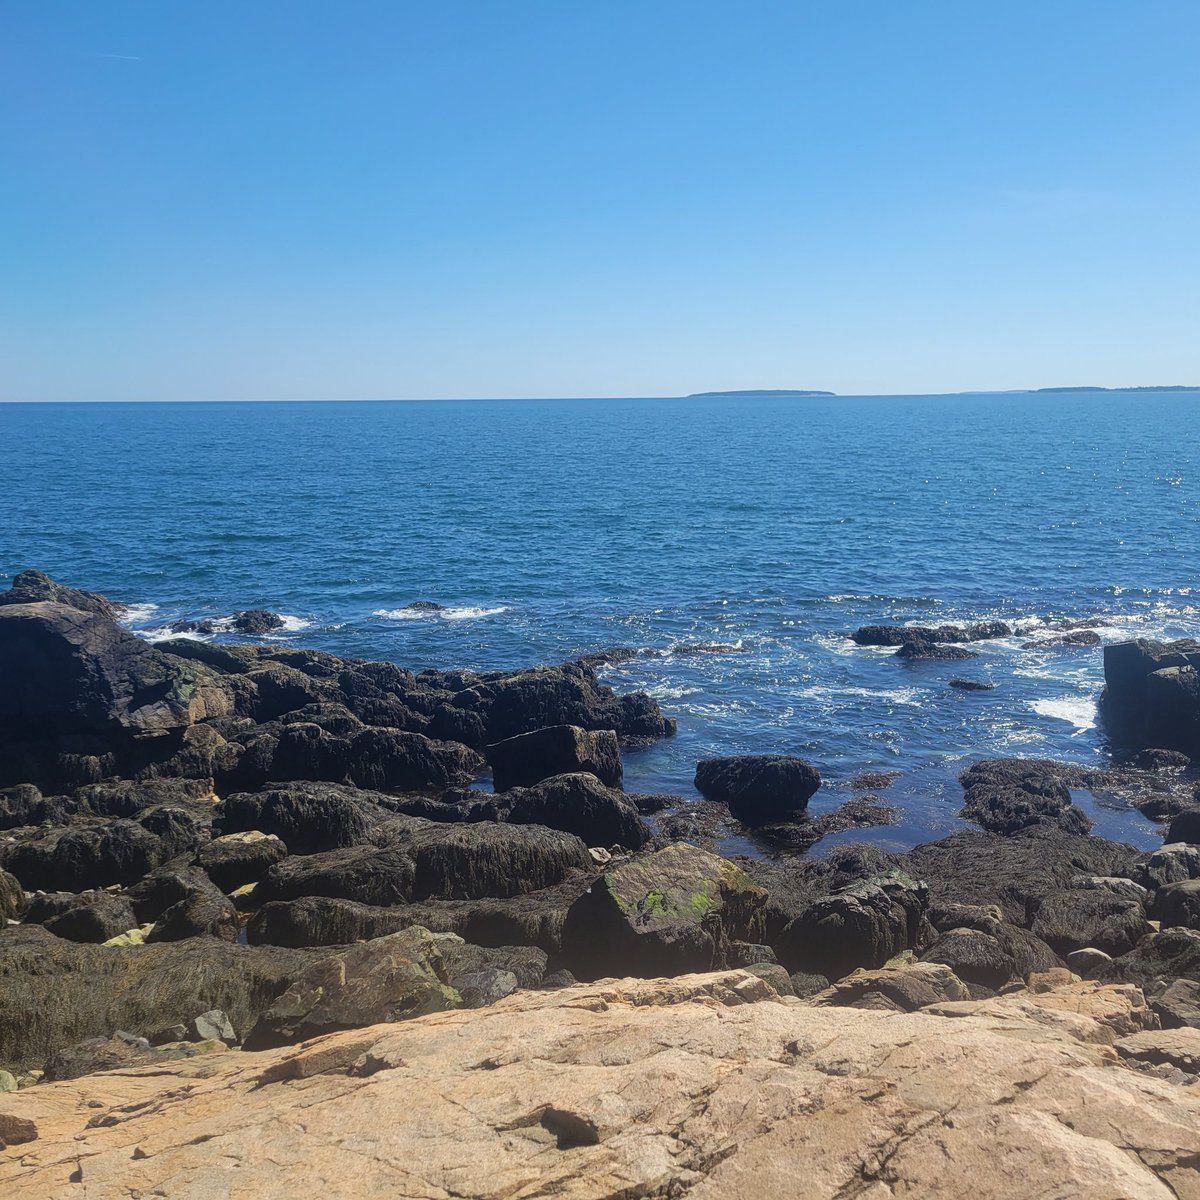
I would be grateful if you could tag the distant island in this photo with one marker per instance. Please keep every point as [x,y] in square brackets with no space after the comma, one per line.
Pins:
[760,392]
[1167,387]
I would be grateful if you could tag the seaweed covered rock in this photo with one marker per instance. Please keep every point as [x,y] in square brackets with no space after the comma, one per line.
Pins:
[759,789]
[380,875]
[94,916]
[1005,795]
[529,758]
[12,898]
[235,859]
[665,913]
[578,803]
[1152,694]
[1076,918]
[390,978]
[306,817]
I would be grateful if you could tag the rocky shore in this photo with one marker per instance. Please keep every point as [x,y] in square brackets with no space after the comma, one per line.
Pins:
[206,846]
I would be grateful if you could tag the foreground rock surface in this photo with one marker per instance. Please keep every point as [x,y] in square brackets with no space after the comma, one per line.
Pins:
[706,1085]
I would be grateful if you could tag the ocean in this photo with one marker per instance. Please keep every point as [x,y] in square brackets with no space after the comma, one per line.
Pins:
[735,542]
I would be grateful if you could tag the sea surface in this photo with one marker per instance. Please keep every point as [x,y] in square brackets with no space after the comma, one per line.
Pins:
[736,541]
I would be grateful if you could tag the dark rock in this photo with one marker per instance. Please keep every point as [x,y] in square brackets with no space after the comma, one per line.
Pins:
[1152,695]
[654,803]
[943,916]
[899,635]
[1064,641]
[16,1131]
[323,921]
[527,964]
[256,621]
[54,992]
[95,917]
[666,913]
[529,758]
[473,861]
[424,606]
[806,984]
[12,898]
[874,781]
[1171,863]
[481,988]
[204,911]
[32,587]
[863,925]
[236,859]
[165,886]
[99,1054]
[211,1026]
[1078,918]
[388,979]
[972,685]
[306,817]
[744,954]
[1178,1004]
[772,973]
[369,874]
[1185,826]
[580,804]
[918,650]
[1154,759]
[169,1033]
[1087,962]
[1171,954]
[758,788]
[1178,904]
[1006,795]
[974,957]
[904,989]
[559,979]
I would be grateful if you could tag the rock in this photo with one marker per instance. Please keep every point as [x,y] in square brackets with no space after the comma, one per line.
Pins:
[16,1131]
[256,621]
[54,992]
[1012,871]
[381,875]
[529,758]
[527,964]
[1152,695]
[902,989]
[1079,918]
[666,912]
[306,817]
[758,788]
[170,1033]
[1171,863]
[33,587]
[972,685]
[772,973]
[1185,826]
[1171,954]
[1005,795]
[202,912]
[481,988]
[746,954]
[945,916]
[236,859]
[470,862]
[388,979]
[1178,1048]
[1064,641]
[1178,904]
[95,917]
[579,804]
[990,959]
[898,635]
[1178,1004]
[1087,961]
[100,1054]
[8,1081]
[918,650]
[424,606]
[12,898]
[1153,759]
[806,984]
[818,1101]
[213,1025]
[862,925]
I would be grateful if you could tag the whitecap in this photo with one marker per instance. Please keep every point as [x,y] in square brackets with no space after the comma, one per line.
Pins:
[404,614]
[465,612]
[292,624]
[137,614]
[468,613]
[1079,711]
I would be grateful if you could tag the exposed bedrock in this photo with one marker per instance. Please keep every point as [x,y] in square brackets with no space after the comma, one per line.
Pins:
[1152,695]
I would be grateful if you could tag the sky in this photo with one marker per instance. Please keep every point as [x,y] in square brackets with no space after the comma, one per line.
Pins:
[455,198]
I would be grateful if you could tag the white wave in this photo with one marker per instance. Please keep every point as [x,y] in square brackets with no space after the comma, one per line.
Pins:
[1079,711]
[137,614]
[164,633]
[665,691]
[893,695]
[292,624]
[465,612]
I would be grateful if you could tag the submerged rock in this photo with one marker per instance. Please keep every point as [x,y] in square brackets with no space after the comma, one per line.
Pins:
[256,621]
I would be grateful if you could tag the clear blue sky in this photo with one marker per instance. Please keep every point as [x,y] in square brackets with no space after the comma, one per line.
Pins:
[276,199]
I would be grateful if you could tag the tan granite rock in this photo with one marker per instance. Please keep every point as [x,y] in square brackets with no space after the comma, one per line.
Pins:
[705,1086]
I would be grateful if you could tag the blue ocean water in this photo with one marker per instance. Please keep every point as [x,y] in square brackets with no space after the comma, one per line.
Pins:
[548,529]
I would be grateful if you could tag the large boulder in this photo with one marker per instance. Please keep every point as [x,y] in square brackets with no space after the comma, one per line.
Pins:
[1005,795]
[1156,959]
[380,875]
[1178,904]
[12,898]
[235,859]
[34,587]
[1152,694]
[390,978]
[306,817]
[95,916]
[1076,918]
[863,925]
[759,789]
[666,913]
[1185,826]
[580,804]
[898,635]
[54,993]
[897,989]
[529,758]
